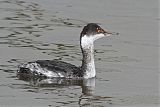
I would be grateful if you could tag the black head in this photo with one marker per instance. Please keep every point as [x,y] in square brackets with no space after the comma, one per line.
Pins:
[92,29]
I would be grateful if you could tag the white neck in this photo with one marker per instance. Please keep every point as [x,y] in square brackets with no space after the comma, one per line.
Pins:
[88,66]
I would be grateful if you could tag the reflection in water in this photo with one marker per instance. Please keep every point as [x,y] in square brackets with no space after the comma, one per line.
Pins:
[86,98]
[87,85]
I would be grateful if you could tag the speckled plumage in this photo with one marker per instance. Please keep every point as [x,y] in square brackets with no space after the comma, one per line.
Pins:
[56,68]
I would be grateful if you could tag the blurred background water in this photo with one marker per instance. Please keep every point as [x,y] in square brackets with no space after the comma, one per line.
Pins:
[127,65]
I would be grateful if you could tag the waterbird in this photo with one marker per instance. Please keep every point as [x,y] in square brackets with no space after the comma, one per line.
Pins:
[60,69]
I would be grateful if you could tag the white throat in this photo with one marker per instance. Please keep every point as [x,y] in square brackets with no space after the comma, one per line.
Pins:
[87,45]
[87,41]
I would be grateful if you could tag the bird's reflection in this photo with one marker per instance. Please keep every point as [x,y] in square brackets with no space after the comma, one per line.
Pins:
[87,85]
[86,98]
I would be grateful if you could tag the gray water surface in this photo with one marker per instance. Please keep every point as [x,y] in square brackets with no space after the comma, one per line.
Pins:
[126,65]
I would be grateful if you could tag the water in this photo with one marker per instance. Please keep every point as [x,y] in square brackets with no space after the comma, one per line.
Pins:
[127,65]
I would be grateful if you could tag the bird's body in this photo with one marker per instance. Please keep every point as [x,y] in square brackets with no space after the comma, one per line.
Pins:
[56,68]
[51,68]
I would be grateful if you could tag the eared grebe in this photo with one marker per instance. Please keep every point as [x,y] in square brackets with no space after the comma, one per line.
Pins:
[56,68]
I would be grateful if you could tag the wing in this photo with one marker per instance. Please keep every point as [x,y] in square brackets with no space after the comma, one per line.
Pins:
[51,68]
[60,67]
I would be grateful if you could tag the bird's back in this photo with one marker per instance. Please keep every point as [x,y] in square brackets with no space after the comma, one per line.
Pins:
[51,68]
